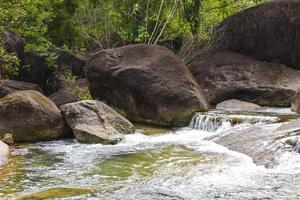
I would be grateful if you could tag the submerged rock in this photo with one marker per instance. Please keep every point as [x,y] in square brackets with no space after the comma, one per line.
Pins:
[55,193]
[10,86]
[149,83]
[267,32]
[94,122]
[237,105]
[4,150]
[229,75]
[30,116]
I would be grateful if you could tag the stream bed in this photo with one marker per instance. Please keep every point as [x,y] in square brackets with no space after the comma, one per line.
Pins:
[153,164]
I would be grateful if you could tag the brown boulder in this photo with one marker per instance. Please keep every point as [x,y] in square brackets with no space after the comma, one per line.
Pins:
[62,97]
[268,32]
[229,75]
[30,116]
[9,86]
[149,83]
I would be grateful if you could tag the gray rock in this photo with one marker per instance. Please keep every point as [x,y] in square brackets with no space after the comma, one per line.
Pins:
[94,122]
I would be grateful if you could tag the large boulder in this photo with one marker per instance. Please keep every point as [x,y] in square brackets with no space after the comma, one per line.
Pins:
[237,105]
[229,75]
[9,86]
[94,122]
[29,116]
[149,83]
[268,32]
[62,97]
[4,150]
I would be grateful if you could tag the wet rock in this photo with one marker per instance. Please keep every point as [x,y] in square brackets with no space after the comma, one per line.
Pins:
[4,151]
[237,105]
[94,122]
[296,102]
[229,75]
[263,143]
[149,83]
[29,116]
[9,86]
[267,32]
[62,97]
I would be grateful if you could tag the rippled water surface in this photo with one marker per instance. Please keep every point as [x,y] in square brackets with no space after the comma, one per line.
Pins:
[173,164]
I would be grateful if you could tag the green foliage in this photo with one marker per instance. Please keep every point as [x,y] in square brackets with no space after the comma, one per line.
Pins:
[48,26]
[65,76]
[8,64]
[215,11]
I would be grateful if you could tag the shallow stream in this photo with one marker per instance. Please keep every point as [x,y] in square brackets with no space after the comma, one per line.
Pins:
[153,164]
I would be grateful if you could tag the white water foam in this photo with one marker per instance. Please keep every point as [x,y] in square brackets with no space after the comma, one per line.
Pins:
[212,122]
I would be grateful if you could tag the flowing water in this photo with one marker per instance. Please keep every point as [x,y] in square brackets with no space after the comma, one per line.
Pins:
[166,164]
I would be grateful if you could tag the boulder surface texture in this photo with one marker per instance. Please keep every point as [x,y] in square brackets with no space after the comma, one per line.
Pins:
[229,75]
[267,32]
[29,116]
[148,83]
[95,122]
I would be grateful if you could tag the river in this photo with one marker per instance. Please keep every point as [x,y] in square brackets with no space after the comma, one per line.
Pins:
[174,164]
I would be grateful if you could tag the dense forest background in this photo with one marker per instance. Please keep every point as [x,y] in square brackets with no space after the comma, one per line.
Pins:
[82,27]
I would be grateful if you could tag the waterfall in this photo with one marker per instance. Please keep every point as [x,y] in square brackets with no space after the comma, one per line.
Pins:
[212,122]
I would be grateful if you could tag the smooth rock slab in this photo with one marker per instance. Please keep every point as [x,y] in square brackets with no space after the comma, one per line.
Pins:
[95,122]
[237,105]
[263,143]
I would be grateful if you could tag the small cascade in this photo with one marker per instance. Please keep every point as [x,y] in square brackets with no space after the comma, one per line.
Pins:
[213,122]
